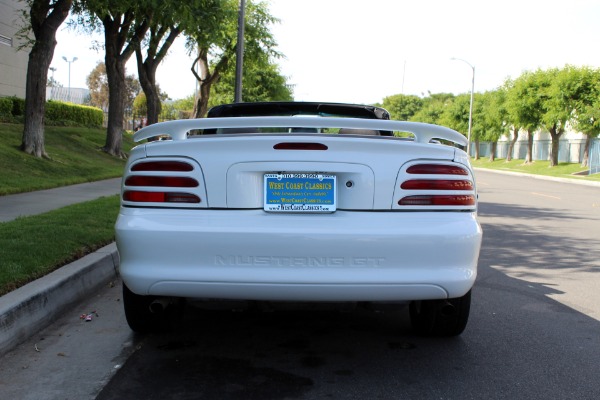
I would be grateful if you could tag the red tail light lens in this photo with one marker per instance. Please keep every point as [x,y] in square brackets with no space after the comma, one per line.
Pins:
[437,169]
[443,177]
[159,197]
[438,200]
[170,166]
[437,184]
[164,181]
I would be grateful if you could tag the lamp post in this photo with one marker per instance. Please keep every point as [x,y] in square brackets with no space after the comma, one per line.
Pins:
[239,60]
[471,105]
[53,69]
[72,61]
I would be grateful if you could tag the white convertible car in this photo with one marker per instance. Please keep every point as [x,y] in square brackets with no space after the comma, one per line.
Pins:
[299,202]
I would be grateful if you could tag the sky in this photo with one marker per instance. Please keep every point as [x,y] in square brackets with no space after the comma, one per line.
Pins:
[359,51]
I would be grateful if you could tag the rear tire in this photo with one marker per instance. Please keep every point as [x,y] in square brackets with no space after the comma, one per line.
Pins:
[440,317]
[139,316]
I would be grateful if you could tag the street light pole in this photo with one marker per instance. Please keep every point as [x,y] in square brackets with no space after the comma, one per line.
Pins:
[239,64]
[72,61]
[471,105]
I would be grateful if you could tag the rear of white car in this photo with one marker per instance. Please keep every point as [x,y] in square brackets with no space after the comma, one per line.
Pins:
[300,217]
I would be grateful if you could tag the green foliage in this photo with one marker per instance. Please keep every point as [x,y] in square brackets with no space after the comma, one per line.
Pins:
[456,114]
[18,108]
[402,107]
[139,104]
[6,106]
[432,109]
[261,81]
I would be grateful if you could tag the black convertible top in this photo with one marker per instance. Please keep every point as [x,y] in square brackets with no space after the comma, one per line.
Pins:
[289,108]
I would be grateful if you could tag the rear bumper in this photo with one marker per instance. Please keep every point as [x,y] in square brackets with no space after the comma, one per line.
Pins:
[253,255]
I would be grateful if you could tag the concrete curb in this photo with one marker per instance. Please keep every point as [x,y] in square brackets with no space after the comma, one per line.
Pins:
[34,306]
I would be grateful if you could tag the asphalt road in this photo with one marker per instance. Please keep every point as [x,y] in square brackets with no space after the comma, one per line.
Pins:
[534,331]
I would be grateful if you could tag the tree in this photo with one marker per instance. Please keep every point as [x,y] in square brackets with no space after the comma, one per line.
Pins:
[140,103]
[97,82]
[125,23]
[168,22]
[491,118]
[524,106]
[586,117]
[98,85]
[218,39]
[262,81]
[456,116]
[402,107]
[432,109]
[45,16]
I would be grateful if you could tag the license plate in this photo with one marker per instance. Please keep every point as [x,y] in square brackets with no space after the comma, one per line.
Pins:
[300,192]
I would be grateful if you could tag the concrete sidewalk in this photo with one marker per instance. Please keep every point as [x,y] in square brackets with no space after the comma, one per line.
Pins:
[32,203]
[29,309]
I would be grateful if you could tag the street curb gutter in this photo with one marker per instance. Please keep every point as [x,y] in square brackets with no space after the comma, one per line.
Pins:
[29,309]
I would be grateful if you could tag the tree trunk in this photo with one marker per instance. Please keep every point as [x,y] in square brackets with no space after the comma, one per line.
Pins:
[529,156]
[115,75]
[44,27]
[586,152]
[555,133]
[116,33]
[205,80]
[147,69]
[476,149]
[147,77]
[511,145]
[493,148]
[201,101]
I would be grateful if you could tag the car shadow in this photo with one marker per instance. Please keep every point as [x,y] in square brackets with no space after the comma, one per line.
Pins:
[519,343]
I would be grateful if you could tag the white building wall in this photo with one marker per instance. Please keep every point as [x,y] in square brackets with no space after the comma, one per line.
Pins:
[13,63]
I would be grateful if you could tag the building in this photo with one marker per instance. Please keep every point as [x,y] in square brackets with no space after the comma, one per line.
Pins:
[13,62]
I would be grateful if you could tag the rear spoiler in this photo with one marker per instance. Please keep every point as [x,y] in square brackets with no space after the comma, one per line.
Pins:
[178,129]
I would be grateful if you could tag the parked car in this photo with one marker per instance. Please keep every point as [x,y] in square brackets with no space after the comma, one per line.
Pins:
[299,202]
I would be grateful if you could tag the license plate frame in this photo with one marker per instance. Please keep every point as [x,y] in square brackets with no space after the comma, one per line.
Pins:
[300,192]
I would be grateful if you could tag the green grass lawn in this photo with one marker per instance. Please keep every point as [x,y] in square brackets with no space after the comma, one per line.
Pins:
[30,247]
[75,157]
[563,170]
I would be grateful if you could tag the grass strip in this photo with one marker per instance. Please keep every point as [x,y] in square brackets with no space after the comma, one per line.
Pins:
[562,170]
[75,157]
[31,247]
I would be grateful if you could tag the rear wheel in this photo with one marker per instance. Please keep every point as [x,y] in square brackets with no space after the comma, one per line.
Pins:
[147,314]
[440,317]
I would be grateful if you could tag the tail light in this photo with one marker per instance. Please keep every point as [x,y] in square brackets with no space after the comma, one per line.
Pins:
[162,181]
[447,186]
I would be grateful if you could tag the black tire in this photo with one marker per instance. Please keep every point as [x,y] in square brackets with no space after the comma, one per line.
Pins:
[440,317]
[139,317]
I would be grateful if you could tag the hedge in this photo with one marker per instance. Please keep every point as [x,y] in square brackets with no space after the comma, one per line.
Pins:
[57,112]
[60,112]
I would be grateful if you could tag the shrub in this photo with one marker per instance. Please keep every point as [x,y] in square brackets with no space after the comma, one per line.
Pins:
[18,106]
[6,106]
